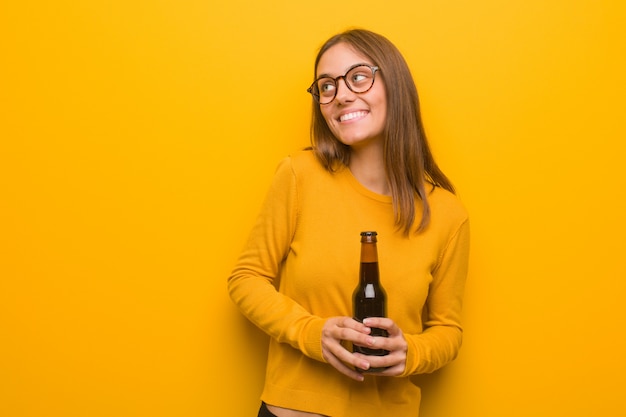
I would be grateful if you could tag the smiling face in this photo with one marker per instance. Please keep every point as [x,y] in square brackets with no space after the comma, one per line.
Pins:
[355,119]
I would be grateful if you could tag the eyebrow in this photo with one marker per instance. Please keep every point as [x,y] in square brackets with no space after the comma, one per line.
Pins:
[349,68]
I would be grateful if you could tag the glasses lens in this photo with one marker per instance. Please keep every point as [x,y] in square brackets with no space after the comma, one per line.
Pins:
[360,78]
[325,89]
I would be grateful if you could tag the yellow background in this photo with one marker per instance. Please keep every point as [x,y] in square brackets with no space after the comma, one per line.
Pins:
[137,139]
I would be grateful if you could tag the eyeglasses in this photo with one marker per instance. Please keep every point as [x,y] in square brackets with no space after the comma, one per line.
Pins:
[359,79]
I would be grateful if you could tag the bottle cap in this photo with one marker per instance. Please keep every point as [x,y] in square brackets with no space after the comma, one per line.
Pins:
[369,237]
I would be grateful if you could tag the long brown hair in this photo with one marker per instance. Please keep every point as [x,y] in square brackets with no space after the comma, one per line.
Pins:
[409,163]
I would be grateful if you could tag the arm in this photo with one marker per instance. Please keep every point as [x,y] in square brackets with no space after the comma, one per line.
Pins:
[441,340]
[252,284]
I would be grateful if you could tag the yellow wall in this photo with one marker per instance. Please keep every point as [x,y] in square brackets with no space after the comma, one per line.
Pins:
[137,139]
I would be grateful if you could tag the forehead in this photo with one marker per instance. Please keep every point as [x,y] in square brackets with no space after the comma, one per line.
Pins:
[339,58]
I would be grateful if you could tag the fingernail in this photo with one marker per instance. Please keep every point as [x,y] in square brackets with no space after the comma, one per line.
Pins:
[371,341]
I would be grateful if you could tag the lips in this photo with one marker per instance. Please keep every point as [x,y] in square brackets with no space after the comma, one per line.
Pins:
[352,115]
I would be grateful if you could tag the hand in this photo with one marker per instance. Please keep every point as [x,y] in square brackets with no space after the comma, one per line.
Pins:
[395,343]
[334,331]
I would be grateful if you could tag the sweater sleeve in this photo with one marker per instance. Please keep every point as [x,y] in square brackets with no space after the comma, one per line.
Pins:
[252,283]
[441,339]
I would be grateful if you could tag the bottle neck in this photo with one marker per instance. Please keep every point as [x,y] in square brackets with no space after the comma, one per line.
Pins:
[369,264]
[369,252]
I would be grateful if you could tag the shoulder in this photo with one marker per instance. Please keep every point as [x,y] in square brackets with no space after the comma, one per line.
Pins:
[446,207]
[302,171]
[305,159]
[301,164]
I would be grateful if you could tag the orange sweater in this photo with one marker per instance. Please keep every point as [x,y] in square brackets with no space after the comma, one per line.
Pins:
[300,266]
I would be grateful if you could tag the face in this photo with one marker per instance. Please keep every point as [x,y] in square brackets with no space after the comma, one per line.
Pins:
[355,119]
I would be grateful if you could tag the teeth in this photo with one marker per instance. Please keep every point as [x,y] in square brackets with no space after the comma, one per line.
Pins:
[351,116]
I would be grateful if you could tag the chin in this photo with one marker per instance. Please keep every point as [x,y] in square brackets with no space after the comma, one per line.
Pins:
[356,141]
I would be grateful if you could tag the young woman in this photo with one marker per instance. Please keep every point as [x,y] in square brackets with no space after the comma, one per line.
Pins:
[370,168]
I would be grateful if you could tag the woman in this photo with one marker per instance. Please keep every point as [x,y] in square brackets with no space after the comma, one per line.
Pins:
[370,168]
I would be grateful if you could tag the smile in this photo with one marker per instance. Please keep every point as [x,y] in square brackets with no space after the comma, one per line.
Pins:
[351,116]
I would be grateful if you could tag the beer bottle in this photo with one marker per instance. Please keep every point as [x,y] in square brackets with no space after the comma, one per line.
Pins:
[369,298]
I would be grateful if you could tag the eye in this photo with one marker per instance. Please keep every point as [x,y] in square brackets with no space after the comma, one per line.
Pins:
[360,76]
[326,86]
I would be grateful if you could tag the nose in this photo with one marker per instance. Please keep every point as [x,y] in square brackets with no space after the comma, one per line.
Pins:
[344,94]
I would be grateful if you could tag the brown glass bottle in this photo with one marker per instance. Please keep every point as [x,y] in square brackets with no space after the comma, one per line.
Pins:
[369,298]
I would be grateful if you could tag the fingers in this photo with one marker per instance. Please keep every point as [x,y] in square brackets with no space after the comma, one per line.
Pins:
[336,330]
[383,323]
[352,324]
[342,359]
[346,370]
[345,328]
[393,363]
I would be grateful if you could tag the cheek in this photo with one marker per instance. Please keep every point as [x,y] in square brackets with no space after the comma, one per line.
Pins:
[326,115]
[330,122]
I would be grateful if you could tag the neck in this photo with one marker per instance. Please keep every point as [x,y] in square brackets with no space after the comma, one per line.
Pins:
[368,167]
